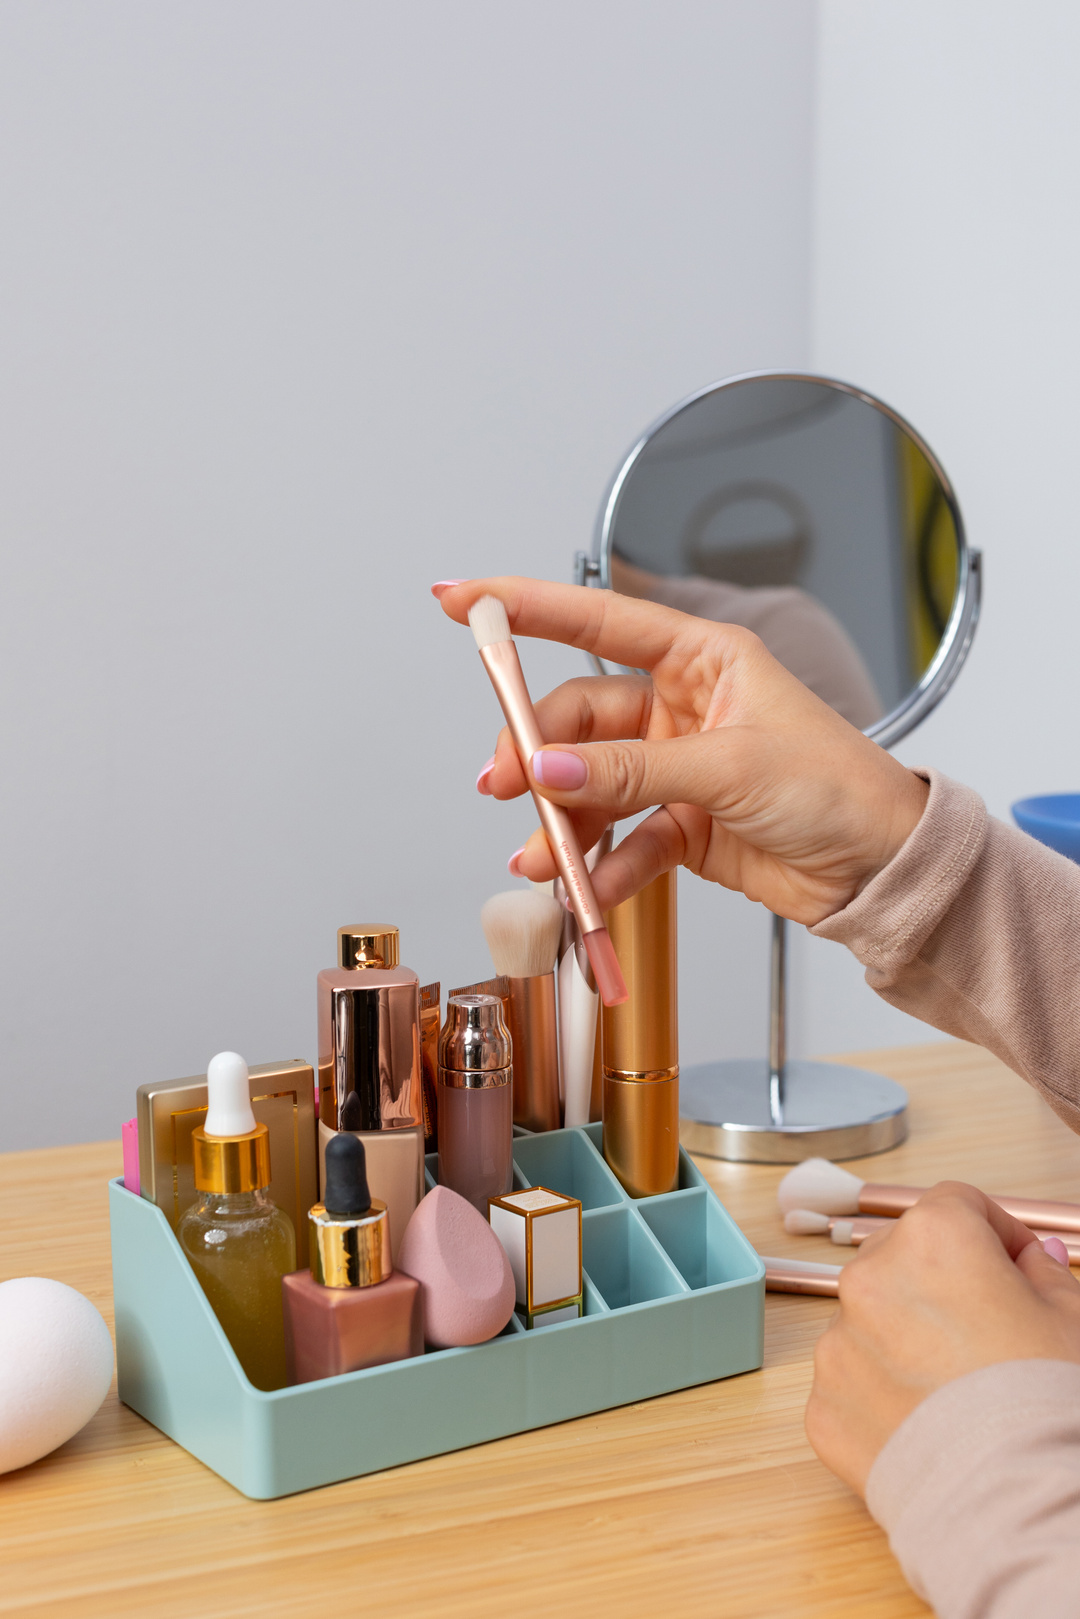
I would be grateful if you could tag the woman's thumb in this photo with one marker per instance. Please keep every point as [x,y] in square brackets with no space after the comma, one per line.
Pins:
[1046,1266]
[630,775]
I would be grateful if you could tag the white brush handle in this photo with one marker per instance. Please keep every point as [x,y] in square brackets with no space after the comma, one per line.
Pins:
[578,1006]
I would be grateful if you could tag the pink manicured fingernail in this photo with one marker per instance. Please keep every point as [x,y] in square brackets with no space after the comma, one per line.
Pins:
[512,863]
[1056,1249]
[444,584]
[566,771]
[481,780]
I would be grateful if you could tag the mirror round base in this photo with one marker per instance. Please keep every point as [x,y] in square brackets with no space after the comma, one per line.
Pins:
[829,1111]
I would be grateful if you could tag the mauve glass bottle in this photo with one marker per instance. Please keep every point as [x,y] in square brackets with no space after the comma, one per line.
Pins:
[476,1100]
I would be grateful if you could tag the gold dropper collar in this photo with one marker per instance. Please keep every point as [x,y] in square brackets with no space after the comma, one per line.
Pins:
[367,944]
[350,1250]
[231,1163]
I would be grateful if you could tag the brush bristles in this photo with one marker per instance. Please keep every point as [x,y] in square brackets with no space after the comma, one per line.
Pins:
[841,1233]
[488,621]
[805,1223]
[522,929]
[819,1185]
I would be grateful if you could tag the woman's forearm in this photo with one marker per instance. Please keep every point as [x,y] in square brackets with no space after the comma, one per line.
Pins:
[975,928]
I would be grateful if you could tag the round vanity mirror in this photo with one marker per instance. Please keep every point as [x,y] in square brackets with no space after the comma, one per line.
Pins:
[811,513]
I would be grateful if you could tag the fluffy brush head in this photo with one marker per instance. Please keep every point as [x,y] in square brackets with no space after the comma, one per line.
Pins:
[488,621]
[522,929]
[816,1184]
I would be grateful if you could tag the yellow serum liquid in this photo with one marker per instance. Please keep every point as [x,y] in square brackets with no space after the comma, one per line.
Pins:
[240,1245]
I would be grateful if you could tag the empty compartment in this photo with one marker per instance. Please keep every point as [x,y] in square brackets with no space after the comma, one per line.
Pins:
[706,1247]
[564,1161]
[623,1262]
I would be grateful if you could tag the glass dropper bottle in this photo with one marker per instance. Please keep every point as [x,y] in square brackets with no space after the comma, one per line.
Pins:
[237,1240]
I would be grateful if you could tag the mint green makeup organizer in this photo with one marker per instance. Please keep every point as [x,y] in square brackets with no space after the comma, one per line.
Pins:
[674,1296]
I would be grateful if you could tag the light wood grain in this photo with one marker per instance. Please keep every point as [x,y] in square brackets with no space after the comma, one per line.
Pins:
[702,1503]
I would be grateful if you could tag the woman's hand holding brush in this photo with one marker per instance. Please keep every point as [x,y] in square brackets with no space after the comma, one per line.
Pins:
[954,1285]
[763,788]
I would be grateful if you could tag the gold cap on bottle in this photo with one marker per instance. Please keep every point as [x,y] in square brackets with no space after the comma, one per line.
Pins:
[368,944]
[350,1250]
[231,1163]
[641,1037]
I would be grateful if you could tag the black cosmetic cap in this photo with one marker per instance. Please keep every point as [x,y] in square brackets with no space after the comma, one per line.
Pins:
[346,1189]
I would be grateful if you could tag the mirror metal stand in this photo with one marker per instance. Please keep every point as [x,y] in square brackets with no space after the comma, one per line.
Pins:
[781,1111]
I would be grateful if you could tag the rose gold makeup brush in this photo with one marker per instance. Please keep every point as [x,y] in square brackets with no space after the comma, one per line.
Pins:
[825,1188]
[523,929]
[491,627]
[801,1276]
[849,1233]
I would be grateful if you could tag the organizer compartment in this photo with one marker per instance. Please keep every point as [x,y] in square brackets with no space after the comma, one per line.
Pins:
[674,1295]
[566,1161]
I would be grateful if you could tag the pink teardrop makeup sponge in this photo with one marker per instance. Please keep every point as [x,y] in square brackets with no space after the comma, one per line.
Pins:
[462,1268]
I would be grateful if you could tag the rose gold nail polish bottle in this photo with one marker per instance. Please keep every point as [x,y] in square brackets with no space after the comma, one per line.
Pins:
[476,1100]
[369,1066]
[352,1309]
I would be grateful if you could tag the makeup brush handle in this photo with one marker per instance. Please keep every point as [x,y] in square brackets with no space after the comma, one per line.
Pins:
[504,670]
[801,1276]
[1036,1212]
[862,1226]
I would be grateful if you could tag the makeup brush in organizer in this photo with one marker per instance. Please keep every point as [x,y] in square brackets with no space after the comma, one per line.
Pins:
[824,1188]
[850,1232]
[491,628]
[522,928]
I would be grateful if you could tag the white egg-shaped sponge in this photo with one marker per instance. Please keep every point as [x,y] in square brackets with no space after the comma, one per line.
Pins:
[462,1267]
[56,1364]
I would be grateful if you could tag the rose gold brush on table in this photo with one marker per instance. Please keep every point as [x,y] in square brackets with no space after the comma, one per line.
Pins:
[825,1188]
[801,1276]
[491,627]
[852,1231]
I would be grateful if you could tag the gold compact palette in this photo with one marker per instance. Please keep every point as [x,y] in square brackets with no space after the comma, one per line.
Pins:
[282,1098]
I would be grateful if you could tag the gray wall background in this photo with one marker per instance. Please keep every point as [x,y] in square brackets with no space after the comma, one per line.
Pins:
[302,307]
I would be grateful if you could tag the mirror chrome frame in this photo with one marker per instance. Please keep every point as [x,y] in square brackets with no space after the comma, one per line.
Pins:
[956,641]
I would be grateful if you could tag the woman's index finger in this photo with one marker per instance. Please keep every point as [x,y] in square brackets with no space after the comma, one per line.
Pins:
[622,629]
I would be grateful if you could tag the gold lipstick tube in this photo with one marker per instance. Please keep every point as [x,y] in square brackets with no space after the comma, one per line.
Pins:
[641,1044]
[504,669]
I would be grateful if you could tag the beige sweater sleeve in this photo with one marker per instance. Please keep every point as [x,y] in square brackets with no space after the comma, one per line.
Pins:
[975,928]
[979,1493]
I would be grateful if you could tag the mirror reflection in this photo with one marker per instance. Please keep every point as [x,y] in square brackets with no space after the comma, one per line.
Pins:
[805,512]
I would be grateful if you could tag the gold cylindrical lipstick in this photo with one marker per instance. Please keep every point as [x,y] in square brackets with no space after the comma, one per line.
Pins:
[641,1044]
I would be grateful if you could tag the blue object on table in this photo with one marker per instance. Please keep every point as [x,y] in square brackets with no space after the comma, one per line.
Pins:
[1054,819]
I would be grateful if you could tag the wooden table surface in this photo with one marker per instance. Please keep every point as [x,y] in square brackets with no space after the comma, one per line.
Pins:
[708,1502]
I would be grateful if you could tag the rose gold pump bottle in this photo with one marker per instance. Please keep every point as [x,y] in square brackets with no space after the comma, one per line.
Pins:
[369,1066]
[476,1100]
